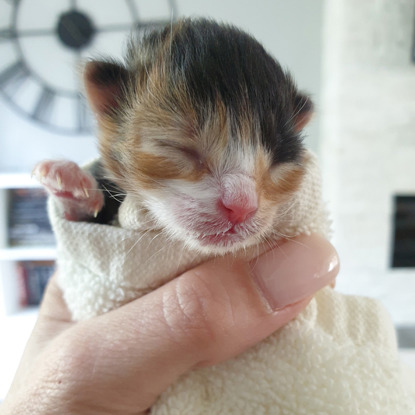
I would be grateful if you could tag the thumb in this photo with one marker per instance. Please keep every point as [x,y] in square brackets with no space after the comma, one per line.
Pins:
[203,317]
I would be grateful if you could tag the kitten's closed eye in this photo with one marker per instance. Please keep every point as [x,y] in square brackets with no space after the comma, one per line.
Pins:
[189,152]
[193,155]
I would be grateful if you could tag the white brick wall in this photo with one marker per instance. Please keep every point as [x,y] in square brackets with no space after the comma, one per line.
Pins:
[368,143]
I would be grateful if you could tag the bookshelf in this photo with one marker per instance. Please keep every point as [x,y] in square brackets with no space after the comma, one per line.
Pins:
[11,256]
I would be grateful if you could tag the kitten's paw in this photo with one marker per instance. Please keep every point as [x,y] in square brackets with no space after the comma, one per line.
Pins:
[76,189]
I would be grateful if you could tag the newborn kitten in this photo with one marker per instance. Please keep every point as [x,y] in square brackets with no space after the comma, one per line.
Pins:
[202,126]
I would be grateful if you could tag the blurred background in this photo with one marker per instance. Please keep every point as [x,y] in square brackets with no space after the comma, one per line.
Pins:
[357,61]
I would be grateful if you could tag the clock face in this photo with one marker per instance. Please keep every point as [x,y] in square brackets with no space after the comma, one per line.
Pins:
[43,44]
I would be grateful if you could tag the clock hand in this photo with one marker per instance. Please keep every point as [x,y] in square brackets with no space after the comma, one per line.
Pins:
[133,10]
[32,32]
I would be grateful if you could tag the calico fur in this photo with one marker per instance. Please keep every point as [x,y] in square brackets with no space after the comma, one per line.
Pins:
[203,127]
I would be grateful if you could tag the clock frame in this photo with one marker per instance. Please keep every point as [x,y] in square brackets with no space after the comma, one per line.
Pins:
[58,104]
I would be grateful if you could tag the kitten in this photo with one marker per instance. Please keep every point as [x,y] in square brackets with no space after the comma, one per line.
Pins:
[199,124]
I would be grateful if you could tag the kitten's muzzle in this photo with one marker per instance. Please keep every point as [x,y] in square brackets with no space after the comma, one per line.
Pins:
[239,200]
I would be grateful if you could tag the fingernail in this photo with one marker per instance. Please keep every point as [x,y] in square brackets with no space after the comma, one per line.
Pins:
[295,270]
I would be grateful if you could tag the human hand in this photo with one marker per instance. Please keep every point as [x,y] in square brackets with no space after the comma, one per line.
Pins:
[120,362]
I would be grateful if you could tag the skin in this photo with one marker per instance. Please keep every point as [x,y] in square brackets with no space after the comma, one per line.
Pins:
[120,362]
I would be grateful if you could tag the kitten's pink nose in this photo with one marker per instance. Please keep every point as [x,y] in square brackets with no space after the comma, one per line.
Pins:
[239,200]
[237,212]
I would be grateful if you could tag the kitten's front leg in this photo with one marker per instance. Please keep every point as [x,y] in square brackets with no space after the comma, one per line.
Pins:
[75,189]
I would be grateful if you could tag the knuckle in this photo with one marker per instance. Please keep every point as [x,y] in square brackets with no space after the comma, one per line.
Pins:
[191,313]
[70,358]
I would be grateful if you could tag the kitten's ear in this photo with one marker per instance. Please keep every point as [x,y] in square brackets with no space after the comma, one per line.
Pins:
[106,85]
[303,111]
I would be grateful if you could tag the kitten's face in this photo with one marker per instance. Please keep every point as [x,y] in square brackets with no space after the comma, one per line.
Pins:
[203,127]
[215,189]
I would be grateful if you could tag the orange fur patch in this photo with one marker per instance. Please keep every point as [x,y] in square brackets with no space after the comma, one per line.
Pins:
[282,185]
[150,169]
[279,183]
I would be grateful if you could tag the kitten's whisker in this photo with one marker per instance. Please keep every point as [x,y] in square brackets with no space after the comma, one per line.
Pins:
[171,30]
[138,240]
[156,252]
[297,111]
[111,194]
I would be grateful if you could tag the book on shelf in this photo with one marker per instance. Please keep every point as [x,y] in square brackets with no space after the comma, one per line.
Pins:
[33,278]
[28,222]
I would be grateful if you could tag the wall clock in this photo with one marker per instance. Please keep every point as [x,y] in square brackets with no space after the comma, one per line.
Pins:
[43,42]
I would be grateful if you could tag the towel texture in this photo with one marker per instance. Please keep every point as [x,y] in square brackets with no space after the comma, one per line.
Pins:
[338,357]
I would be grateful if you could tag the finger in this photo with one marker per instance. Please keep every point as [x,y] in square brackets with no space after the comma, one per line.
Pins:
[54,317]
[53,305]
[205,316]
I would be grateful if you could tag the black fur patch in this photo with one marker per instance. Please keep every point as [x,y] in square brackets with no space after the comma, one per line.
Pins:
[103,73]
[113,195]
[220,61]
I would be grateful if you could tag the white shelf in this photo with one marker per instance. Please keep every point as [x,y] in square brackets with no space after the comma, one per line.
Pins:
[17,181]
[28,253]
[25,315]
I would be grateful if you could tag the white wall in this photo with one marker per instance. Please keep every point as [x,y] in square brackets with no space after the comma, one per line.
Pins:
[368,141]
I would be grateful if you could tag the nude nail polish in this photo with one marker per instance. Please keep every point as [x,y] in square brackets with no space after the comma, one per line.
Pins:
[295,270]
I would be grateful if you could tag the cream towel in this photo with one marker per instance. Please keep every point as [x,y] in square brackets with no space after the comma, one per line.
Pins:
[338,357]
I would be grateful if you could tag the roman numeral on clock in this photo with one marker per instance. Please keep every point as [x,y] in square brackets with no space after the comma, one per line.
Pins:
[83,116]
[44,104]
[13,77]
